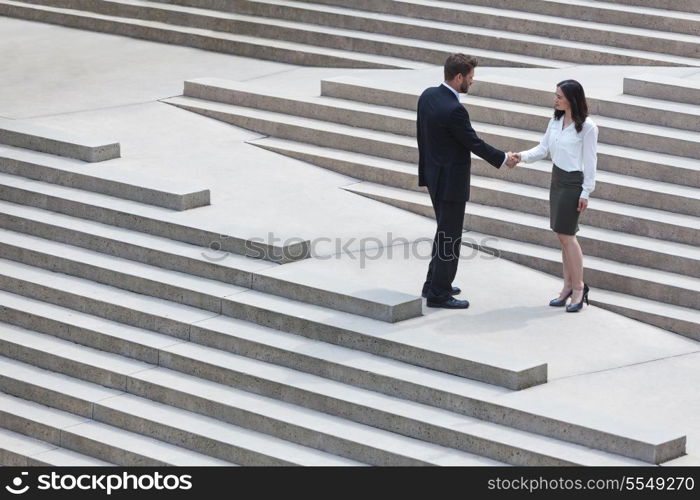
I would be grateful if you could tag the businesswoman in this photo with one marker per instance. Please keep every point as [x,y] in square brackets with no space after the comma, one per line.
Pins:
[571,140]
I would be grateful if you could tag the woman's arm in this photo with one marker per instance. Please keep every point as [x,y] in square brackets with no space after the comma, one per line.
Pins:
[540,151]
[590,160]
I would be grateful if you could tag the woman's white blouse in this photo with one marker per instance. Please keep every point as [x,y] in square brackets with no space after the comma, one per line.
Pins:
[569,150]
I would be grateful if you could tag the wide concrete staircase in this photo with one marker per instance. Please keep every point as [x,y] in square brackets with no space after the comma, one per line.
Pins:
[395,33]
[122,343]
[640,234]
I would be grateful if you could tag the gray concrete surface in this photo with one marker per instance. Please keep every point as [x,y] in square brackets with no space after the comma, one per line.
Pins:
[72,60]
[82,81]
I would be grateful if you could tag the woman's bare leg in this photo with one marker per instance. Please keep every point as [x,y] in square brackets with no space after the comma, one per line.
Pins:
[565,270]
[574,265]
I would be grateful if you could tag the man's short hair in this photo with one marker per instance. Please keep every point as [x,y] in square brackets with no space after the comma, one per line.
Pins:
[459,64]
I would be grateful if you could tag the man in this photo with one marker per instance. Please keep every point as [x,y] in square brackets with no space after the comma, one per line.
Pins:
[446,140]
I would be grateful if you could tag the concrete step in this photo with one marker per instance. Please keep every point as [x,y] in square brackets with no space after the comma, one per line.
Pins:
[641,221]
[679,5]
[472,399]
[133,245]
[346,295]
[324,359]
[350,368]
[519,90]
[410,419]
[17,450]
[648,165]
[101,300]
[483,111]
[583,10]
[282,314]
[395,43]
[561,37]
[334,435]
[242,45]
[395,146]
[648,109]
[184,258]
[84,329]
[57,142]
[167,423]
[426,50]
[341,364]
[599,12]
[139,217]
[339,111]
[142,188]
[614,131]
[203,293]
[284,126]
[94,439]
[406,418]
[396,342]
[609,186]
[271,347]
[667,88]
[635,220]
[639,281]
[607,243]
[405,46]
[676,319]
[108,371]
[605,12]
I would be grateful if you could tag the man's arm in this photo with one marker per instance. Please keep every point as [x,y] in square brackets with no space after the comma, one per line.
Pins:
[419,138]
[461,128]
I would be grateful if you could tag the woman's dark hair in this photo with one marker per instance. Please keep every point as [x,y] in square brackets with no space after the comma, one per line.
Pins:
[573,91]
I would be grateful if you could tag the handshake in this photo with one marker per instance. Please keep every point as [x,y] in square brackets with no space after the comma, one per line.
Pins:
[513,159]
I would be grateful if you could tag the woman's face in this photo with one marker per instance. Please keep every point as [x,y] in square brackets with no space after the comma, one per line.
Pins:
[560,101]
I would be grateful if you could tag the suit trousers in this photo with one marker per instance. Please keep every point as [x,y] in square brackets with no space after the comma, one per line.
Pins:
[446,246]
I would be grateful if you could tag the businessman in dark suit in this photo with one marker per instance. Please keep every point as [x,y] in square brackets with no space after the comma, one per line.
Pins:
[446,140]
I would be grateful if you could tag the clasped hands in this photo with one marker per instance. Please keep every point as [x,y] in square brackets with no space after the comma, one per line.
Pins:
[513,159]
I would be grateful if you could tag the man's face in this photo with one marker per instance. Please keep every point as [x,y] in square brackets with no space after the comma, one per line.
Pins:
[466,82]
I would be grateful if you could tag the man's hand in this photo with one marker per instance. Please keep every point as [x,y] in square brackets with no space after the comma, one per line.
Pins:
[582,204]
[513,159]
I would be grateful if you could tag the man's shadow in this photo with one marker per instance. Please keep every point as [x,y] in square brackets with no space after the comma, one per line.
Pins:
[493,320]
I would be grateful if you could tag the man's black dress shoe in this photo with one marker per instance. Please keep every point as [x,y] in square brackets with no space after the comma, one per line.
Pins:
[450,303]
[455,291]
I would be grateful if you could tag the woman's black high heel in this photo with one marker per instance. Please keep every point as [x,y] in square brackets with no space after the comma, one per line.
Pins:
[577,307]
[560,302]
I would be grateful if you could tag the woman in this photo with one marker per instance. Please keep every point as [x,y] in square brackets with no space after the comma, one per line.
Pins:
[571,141]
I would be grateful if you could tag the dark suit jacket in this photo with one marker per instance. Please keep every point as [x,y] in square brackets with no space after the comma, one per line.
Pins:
[445,140]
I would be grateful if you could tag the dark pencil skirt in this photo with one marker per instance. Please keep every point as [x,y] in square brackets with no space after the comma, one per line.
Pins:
[564,193]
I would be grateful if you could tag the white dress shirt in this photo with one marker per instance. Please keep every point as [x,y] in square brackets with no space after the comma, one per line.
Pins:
[457,96]
[570,150]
